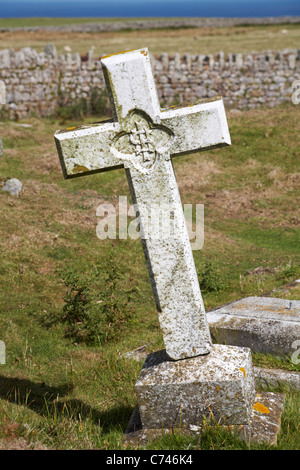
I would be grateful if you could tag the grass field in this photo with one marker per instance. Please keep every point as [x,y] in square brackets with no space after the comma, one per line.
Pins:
[182,40]
[57,392]
[44,22]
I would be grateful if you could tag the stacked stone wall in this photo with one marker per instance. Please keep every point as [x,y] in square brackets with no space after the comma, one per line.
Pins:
[38,82]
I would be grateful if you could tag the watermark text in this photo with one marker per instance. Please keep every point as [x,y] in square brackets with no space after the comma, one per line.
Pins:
[2,353]
[155,221]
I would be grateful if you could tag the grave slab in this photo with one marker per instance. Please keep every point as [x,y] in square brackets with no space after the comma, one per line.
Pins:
[263,324]
[264,423]
[277,377]
[221,383]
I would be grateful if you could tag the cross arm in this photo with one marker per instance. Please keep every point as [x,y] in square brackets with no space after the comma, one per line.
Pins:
[87,149]
[197,127]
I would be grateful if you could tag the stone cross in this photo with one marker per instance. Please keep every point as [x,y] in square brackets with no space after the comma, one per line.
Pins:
[142,138]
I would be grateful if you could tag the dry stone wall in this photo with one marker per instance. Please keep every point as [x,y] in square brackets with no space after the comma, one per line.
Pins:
[36,82]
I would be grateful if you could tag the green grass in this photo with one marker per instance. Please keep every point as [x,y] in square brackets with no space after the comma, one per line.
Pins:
[60,393]
[159,40]
[29,22]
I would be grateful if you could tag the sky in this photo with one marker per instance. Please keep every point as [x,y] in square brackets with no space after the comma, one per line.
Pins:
[148,8]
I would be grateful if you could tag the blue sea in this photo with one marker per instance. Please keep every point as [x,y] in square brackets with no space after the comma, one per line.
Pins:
[147,8]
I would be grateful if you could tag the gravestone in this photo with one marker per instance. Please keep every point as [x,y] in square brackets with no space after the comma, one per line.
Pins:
[142,138]
[264,324]
[191,377]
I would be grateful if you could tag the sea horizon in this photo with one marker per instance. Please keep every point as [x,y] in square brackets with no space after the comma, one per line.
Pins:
[148,9]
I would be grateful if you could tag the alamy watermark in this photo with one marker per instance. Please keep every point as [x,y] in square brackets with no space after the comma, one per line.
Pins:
[2,353]
[152,221]
[296,92]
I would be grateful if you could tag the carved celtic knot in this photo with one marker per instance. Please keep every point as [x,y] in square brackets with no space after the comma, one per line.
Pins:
[144,146]
[142,143]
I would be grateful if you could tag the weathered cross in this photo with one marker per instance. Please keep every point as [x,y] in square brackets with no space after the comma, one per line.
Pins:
[142,138]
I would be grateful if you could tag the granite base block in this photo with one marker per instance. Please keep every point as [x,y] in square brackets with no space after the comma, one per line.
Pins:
[179,393]
[263,426]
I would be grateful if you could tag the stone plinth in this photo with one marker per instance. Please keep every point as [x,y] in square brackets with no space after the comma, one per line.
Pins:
[264,424]
[174,393]
[264,324]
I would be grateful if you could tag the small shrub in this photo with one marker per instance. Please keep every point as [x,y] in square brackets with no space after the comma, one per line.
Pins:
[95,105]
[4,114]
[210,278]
[288,273]
[99,104]
[77,110]
[96,308]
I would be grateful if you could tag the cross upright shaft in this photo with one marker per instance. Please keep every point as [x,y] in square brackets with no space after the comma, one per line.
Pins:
[142,138]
